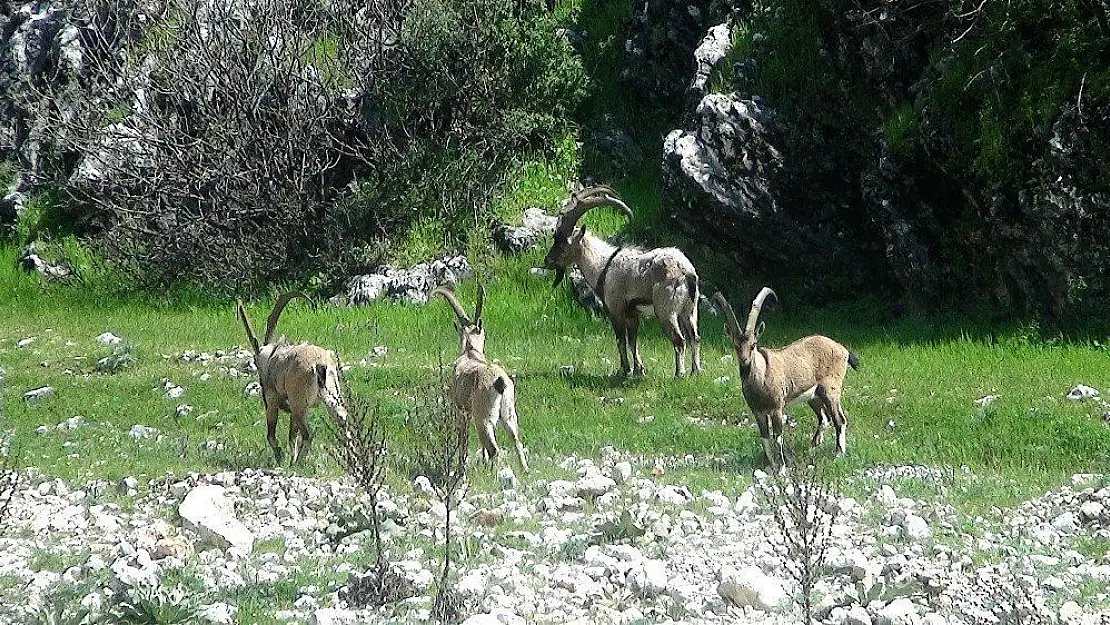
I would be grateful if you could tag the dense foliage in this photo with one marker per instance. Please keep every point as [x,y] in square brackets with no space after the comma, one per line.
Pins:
[963,139]
[242,144]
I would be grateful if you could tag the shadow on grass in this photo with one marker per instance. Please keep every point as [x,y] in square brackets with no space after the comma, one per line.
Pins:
[579,380]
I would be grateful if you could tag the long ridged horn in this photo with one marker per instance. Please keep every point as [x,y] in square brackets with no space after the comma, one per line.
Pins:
[585,200]
[275,314]
[481,302]
[251,336]
[757,304]
[450,297]
[726,308]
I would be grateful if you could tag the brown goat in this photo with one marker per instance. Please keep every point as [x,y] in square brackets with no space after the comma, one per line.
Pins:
[811,369]
[294,378]
[480,388]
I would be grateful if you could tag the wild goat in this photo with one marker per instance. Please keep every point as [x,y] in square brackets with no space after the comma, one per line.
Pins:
[811,369]
[480,388]
[630,282]
[294,378]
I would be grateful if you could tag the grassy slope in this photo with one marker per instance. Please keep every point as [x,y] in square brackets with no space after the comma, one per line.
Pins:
[924,376]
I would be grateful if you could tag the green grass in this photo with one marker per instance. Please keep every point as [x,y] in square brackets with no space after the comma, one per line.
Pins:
[922,374]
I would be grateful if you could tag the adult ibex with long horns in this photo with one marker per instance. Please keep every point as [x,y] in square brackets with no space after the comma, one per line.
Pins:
[294,378]
[811,369]
[630,281]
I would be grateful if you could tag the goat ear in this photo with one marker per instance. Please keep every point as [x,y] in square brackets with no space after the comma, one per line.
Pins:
[759,329]
[321,375]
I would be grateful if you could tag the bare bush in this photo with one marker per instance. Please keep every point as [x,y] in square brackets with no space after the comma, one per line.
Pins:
[803,498]
[214,137]
[360,449]
[442,436]
[225,143]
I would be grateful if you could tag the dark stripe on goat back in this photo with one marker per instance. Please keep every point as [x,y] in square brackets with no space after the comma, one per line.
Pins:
[692,287]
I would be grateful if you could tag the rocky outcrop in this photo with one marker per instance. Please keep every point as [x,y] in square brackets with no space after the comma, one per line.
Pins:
[406,285]
[535,224]
[659,51]
[733,181]
[871,187]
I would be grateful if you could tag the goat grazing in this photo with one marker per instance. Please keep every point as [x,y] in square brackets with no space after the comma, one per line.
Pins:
[480,388]
[294,378]
[811,369]
[630,281]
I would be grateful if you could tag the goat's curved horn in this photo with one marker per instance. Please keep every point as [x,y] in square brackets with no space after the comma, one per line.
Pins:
[726,308]
[450,297]
[478,306]
[757,304]
[591,191]
[275,314]
[587,199]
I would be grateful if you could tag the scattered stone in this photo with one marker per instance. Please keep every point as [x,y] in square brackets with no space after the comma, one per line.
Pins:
[536,224]
[916,528]
[494,618]
[621,473]
[856,615]
[674,495]
[986,400]
[219,613]
[1091,510]
[139,432]
[507,478]
[594,485]
[332,616]
[183,410]
[207,510]
[751,587]
[648,578]
[410,285]
[108,338]
[1083,392]
[1066,523]
[900,611]
[38,395]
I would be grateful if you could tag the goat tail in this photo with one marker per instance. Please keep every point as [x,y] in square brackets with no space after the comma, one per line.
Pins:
[247,324]
[853,361]
[692,287]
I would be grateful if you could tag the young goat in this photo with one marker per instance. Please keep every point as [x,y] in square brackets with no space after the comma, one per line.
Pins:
[294,378]
[630,282]
[811,369]
[480,388]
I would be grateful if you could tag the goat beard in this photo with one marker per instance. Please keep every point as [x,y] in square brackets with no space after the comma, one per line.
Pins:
[560,273]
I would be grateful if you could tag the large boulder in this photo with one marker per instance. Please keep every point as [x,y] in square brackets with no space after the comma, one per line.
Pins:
[208,511]
[751,587]
[733,182]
